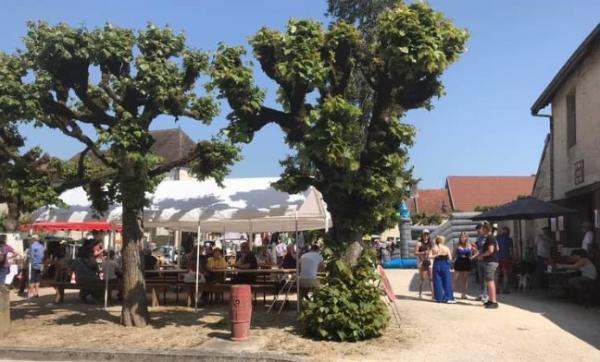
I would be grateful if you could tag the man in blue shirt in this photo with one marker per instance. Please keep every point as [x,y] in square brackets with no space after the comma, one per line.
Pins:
[505,254]
[36,258]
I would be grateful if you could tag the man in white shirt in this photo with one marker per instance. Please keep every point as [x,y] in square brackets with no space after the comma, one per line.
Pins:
[309,266]
[588,237]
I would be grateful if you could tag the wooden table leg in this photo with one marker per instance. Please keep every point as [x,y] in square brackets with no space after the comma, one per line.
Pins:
[155,301]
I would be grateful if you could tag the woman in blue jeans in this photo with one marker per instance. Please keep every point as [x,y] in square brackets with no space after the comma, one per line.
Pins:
[442,279]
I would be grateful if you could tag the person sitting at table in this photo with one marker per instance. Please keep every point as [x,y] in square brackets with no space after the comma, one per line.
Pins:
[289,259]
[263,257]
[246,261]
[216,266]
[150,261]
[576,286]
[310,263]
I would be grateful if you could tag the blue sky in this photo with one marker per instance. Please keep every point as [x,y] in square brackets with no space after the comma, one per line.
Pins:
[481,127]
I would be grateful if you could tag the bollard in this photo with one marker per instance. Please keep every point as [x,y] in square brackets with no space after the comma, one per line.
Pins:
[240,312]
[4,311]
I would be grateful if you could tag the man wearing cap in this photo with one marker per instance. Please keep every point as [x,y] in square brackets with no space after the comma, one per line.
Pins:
[36,258]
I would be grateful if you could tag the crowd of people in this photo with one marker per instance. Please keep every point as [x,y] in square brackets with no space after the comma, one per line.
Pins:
[435,261]
[491,256]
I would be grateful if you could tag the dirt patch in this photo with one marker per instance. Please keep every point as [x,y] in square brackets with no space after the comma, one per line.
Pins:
[39,323]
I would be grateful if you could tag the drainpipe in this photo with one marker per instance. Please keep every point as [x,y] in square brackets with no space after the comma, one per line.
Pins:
[549,116]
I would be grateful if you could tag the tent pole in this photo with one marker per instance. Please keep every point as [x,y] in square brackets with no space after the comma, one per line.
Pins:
[251,236]
[297,265]
[105,271]
[197,269]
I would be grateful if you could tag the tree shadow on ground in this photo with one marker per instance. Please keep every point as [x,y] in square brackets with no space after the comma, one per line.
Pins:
[581,322]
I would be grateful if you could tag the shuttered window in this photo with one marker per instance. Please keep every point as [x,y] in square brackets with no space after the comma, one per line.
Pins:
[571,121]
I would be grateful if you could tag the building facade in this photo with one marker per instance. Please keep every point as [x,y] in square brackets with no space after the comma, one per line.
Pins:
[569,172]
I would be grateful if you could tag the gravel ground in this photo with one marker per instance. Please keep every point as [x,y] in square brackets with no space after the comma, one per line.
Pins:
[526,327]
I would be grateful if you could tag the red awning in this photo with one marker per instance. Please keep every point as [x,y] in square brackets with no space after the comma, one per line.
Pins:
[71,226]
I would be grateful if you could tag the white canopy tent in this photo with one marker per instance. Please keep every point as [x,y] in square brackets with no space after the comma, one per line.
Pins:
[242,205]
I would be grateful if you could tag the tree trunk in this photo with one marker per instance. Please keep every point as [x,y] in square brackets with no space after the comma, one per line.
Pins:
[135,305]
[347,242]
[10,221]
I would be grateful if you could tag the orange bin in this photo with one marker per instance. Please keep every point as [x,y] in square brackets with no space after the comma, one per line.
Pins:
[240,312]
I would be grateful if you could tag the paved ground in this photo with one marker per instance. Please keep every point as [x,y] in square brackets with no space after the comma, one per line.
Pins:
[526,327]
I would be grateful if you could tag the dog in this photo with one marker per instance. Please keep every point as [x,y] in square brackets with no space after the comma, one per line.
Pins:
[523,279]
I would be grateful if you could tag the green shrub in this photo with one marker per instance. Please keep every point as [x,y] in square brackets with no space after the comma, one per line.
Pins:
[348,306]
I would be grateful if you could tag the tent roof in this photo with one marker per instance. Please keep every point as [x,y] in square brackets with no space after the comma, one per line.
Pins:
[526,208]
[243,204]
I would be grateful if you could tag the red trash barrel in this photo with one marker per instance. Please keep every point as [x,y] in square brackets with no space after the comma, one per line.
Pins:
[240,312]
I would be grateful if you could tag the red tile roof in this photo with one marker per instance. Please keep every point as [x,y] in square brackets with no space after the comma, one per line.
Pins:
[468,192]
[436,201]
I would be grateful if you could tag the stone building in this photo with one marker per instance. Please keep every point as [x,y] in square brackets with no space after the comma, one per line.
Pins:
[569,171]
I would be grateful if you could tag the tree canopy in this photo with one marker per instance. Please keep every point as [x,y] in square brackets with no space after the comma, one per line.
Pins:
[117,81]
[358,164]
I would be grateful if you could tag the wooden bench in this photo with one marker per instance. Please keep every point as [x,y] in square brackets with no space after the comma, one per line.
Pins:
[155,288]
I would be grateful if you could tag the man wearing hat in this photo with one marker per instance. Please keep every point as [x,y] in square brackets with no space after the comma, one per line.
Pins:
[36,258]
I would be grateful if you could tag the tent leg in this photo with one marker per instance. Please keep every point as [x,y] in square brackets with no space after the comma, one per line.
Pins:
[197,270]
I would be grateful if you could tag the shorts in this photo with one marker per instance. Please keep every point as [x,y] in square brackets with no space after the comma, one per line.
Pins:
[463,265]
[423,265]
[36,276]
[489,270]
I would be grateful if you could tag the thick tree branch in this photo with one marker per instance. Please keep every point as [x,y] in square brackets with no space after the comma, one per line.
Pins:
[168,166]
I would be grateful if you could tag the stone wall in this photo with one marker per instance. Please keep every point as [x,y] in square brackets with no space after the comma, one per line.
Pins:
[585,82]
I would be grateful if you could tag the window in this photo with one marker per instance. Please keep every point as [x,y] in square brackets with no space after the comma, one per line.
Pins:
[571,121]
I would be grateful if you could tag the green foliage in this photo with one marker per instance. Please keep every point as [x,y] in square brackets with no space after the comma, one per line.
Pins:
[426,219]
[349,140]
[143,75]
[357,160]
[348,307]
[484,208]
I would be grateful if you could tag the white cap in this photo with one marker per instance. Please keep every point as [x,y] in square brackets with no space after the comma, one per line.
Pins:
[35,237]
[426,231]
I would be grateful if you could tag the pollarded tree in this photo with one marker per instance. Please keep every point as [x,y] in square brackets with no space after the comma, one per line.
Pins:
[358,163]
[359,167]
[28,179]
[119,81]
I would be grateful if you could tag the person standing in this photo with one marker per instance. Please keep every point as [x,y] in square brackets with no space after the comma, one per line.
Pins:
[489,257]
[465,253]
[543,252]
[483,292]
[505,256]
[423,254]
[6,253]
[442,279]
[588,237]
[36,258]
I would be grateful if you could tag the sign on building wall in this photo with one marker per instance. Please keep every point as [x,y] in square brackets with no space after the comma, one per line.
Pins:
[579,172]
